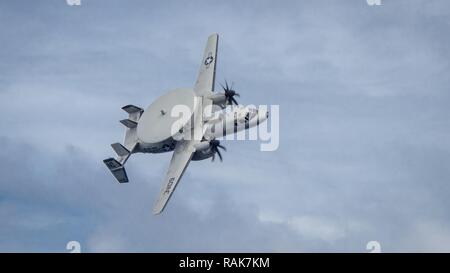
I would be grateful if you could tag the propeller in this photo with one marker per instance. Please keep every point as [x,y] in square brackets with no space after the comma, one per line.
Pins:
[230,93]
[215,145]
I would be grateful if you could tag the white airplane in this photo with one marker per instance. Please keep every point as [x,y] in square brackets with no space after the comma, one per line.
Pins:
[158,129]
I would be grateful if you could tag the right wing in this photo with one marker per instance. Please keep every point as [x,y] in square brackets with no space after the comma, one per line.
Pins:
[207,72]
[180,160]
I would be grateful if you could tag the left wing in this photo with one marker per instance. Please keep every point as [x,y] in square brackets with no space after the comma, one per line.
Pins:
[184,150]
[180,160]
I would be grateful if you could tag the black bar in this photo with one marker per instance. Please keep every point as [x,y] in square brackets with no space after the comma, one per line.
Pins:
[223,262]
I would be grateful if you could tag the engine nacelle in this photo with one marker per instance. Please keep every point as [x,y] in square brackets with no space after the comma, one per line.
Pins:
[202,151]
[202,146]
[219,99]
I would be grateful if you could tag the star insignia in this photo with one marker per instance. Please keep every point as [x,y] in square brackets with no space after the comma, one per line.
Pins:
[209,60]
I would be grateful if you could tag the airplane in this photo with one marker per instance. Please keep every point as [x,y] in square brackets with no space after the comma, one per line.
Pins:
[159,130]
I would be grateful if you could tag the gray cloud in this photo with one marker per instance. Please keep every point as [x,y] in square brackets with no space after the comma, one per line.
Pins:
[364,147]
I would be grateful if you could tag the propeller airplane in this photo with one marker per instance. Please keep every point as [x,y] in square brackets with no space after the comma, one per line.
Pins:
[157,130]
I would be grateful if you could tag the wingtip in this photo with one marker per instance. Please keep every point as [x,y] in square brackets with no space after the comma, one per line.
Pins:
[157,211]
[157,208]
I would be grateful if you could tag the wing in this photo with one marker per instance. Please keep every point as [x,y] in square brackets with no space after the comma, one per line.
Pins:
[185,148]
[180,160]
[206,75]
[181,157]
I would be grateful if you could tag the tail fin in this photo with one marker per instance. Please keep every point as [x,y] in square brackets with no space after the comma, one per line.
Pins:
[134,114]
[116,169]
[119,149]
[116,166]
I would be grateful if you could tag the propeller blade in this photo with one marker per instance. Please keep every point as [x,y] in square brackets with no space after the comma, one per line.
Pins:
[215,145]
[219,154]
[223,148]
[230,93]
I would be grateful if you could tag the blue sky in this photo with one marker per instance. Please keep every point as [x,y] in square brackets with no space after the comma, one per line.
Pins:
[364,125]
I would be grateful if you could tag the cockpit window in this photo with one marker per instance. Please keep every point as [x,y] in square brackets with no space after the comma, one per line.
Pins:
[252,113]
[244,115]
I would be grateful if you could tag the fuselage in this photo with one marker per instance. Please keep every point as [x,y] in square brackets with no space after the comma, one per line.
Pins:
[220,124]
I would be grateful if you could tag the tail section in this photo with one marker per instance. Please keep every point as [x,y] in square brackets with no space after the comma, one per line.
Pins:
[117,169]
[116,165]
[120,149]
[134,114]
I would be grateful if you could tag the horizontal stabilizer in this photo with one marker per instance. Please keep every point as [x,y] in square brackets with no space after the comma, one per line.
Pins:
[129,123]
[120,149]
[130,109]
[116,169]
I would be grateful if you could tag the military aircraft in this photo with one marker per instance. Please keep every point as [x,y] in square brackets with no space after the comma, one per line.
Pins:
[158,129]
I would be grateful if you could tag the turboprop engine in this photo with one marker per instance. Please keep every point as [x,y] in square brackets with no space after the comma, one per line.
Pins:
[207,149]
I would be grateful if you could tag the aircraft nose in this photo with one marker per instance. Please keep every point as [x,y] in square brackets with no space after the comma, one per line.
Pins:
[263,115]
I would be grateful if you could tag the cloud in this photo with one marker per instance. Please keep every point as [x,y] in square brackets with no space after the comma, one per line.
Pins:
[364,123]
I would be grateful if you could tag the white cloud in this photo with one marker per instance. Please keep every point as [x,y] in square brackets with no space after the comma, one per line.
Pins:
[315,228]
[363,103]
[309,227]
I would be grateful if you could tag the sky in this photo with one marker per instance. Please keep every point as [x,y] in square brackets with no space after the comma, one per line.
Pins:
[364,152]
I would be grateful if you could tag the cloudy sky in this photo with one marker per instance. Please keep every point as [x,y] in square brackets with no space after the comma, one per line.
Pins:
[364,125]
